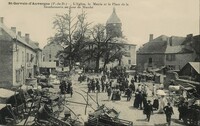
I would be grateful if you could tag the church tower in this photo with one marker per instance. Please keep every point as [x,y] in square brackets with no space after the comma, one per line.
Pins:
[113,25]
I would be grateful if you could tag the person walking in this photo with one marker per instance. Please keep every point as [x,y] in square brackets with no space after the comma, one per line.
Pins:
[129,93]
[181,109]
[139,78]
[148,110]
[109,91]
[140,99]
[168,112]
[132,81]
[154,90]
[132,87]
[155,103]
[135,77]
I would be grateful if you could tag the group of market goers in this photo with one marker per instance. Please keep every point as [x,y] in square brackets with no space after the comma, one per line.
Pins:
[114,92]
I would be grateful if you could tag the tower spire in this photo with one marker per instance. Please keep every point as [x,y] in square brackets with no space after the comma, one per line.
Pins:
[114,10]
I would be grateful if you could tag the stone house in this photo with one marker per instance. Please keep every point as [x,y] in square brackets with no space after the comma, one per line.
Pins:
[164,52]
[20,56]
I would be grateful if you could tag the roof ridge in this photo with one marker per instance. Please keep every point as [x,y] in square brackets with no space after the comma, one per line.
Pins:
[14,35]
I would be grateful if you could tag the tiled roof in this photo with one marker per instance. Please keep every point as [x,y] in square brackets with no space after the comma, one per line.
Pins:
[154,47]
[113,18]
[157,45]
[173,49]
[160,38]
[196,66]
[164,44]
[177,49]
[15,36]
[176,40]
[31,43]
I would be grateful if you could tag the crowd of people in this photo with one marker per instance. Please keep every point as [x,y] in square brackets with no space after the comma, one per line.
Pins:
[123,86]
[66,87]
[117,83]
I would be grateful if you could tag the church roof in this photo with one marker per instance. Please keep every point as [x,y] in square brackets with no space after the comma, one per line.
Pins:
[113,18]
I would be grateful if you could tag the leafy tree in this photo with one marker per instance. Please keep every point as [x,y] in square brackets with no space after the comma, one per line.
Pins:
[104,47]
[114,51]
[99,37]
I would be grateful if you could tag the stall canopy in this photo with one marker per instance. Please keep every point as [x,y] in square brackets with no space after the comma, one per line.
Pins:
[161,92]
[2,106]
[5,93]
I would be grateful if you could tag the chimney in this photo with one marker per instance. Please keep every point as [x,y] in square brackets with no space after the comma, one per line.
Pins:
[13,29]
[150,37]
[1,20]
[19,33]
[189,37]
[27,37]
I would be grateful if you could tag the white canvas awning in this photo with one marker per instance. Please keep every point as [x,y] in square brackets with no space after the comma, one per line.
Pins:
[48,65]
[5,93]
[2,106]
[161,92]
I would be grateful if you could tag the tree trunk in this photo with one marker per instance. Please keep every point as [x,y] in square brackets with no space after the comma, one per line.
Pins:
[97,64]
[120,62]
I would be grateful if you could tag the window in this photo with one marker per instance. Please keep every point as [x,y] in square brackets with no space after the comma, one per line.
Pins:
[129,47]
[170,57]
[129,61]
[43,58]
[49,56]
[128,54]
[49,60]
[27,57]
[22,56]
[18,76]
[31,58]
[150,62]
[17,58]
[57,62]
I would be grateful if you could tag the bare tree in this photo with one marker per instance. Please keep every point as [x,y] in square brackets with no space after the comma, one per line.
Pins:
[70,32]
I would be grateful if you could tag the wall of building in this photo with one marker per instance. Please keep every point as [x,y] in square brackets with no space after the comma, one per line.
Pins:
[23,66]
[158,60]
[180,60]
[127,61]
[50,51]
[6,59]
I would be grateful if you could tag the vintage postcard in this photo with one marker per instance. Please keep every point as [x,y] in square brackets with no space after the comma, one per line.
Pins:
[100,62]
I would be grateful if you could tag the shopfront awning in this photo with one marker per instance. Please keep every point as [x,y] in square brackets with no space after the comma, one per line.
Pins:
[48,65]
[5,93]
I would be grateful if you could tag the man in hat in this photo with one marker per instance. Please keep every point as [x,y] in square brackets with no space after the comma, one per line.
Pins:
[148,110]
[168,112]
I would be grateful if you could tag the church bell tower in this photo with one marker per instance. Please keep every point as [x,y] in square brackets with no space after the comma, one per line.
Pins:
[113,25]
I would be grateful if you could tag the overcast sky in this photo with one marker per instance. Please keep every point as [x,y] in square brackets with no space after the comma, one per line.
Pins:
[139,19]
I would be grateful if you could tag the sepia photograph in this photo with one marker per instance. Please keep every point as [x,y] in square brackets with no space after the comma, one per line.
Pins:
[100,62]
